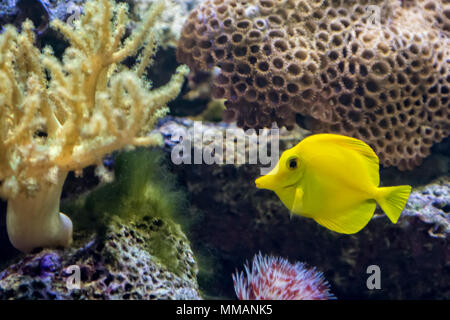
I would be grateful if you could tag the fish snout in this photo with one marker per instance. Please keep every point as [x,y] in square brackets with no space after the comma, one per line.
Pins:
[265,182]
[258,183]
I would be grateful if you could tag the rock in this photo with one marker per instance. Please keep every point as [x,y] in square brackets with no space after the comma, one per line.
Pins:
[118,265]
[231,221]
[43,11]
[173,17]
[234,220]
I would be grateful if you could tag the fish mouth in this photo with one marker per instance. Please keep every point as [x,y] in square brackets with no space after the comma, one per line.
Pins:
[259,182]
[265,182]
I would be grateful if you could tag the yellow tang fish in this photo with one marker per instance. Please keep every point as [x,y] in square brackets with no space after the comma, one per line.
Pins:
[335,180]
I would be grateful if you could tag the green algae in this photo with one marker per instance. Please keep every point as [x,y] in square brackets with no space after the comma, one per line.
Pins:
[143,194]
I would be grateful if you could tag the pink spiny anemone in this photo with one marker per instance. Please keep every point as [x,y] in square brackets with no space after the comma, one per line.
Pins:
[274,278]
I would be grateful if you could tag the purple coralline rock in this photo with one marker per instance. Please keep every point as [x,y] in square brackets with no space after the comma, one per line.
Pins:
[41,12]
[49,264]
[431,204]
[115,266]
[43,265]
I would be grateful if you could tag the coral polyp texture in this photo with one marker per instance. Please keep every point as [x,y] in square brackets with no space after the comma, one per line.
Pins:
[372,69]
[274,278]
[60,116]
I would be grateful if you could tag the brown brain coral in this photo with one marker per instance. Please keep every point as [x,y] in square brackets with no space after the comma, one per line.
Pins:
[373,69]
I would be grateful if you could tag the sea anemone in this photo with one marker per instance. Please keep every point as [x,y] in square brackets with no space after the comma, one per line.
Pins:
[274,278]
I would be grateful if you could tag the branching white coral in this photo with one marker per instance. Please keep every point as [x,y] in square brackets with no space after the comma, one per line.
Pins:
[57,117]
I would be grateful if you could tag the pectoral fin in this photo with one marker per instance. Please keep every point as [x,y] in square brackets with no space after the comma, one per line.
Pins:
[297,205]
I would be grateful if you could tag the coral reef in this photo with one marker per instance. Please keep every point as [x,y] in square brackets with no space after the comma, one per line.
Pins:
[84,91]
[57,117]
[372,69]
[117,266]
[274,278]
[226,205]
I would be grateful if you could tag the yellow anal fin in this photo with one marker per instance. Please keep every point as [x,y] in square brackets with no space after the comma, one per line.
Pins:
[351,221]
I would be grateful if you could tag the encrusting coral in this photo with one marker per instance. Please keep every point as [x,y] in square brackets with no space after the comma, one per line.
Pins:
[57,117]
[373,69]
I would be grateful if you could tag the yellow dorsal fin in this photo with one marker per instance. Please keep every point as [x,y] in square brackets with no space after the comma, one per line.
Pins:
[356,145]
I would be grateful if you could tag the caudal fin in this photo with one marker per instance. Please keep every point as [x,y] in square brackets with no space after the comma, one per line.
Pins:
[392,200]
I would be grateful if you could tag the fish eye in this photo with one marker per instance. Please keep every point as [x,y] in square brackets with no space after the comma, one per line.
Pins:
[292,163]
